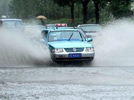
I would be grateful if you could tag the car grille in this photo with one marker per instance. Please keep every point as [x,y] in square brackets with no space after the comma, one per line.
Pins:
[72,49]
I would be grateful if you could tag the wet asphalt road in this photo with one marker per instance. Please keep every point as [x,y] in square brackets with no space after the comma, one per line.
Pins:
[67,83]
[110,78]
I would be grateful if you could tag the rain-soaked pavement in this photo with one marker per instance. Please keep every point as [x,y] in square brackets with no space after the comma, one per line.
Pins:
[27,73]
[67,83]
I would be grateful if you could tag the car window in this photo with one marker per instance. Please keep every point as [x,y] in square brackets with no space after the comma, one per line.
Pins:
[65,36]
[91,28]
[18,24]
[8,23]
[12,24]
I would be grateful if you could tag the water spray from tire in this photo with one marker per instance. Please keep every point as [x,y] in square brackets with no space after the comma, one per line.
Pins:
[21,48]
[115,45]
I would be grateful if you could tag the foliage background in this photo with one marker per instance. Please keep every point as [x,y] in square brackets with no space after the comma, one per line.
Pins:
[59,10]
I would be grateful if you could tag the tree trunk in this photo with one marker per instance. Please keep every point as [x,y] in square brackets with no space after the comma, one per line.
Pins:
[72,13]
[78,11]
[85,9]
[97,15]
[85,13]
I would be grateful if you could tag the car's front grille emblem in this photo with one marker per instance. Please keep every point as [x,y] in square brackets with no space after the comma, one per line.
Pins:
[74,49]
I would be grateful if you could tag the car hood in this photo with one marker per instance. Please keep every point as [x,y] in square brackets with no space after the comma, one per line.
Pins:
[70,44]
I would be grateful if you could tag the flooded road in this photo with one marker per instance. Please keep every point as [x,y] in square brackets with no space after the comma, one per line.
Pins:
[27,72]
[54,83]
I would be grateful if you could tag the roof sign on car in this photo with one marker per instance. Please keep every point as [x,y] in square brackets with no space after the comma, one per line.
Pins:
[61,25]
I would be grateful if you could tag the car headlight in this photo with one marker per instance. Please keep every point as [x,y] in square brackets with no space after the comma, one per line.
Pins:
[89,49]
[57,50]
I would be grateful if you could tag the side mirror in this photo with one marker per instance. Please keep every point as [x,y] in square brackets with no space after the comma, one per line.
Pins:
[89,39]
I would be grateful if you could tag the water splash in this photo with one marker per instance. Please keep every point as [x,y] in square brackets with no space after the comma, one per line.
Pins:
[21,48]
[115,45]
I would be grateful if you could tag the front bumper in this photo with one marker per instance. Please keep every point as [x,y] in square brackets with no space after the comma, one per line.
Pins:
[65,56]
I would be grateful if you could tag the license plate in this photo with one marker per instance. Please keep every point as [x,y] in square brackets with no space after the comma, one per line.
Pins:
[74,55]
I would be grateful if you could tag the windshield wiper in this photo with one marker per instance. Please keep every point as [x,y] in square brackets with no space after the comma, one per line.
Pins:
[81,36]
[70,36]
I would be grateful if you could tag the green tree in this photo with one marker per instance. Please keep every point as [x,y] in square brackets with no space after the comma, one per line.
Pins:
[120,8]
[99,4]
[85,9]
[4,10]
[23,8]
[69,3]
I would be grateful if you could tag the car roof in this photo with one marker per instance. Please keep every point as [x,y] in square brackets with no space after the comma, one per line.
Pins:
[88,24]
[64,27]
[65,30]
[10,20]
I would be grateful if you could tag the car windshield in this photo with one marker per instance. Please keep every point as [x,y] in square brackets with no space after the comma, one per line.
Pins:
[65,28]
[89,28]
[66,36]
[12,24]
